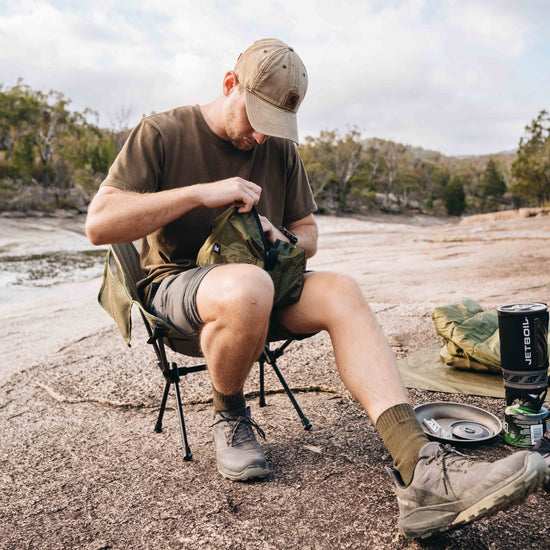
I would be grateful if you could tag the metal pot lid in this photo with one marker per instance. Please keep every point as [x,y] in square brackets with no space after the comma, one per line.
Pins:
[521,309]
[457,423]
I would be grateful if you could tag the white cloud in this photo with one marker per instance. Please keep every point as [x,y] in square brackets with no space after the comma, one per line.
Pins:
[440,74]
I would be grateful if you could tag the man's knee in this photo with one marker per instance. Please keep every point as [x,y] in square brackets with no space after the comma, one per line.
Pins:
[237,291]
[340,292]
[340,285]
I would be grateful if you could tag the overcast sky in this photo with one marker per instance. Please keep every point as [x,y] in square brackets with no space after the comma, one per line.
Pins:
[460,77]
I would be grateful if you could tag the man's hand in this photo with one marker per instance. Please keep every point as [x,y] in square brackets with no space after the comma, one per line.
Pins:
[271,232]
[305,229]
[243,193]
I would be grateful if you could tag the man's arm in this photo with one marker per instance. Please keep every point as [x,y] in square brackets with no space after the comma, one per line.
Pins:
[116,216]
[305,229]
[307,233]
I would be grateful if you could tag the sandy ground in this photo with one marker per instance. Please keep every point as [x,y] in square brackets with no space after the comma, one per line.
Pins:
[80,465]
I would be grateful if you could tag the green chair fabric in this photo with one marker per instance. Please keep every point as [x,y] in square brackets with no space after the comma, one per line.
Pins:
[118,295]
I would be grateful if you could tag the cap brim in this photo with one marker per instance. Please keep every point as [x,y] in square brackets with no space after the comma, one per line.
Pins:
[270,120]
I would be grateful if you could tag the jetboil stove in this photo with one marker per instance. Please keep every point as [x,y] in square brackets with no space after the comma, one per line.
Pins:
[523,333]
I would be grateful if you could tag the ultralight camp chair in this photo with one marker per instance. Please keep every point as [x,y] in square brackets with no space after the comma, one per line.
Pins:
[119,293]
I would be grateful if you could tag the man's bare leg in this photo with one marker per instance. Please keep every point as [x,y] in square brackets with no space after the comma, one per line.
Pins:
[234,302]
[334,302]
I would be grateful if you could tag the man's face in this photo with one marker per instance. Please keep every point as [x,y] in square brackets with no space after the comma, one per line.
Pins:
[237,127]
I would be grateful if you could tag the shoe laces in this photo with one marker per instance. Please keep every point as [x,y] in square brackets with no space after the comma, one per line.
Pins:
[448,456]
[241,429]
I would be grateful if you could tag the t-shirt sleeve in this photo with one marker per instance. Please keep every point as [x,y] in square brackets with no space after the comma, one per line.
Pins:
[299,201]
[139,165]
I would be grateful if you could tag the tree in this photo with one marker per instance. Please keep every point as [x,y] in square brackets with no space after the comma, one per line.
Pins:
[532,166]
[18,110]
[54,121]
[409,187]
[454,196]
[315,161]
[42,138]
[492,184]
[395,159]
[23,156]
[433,179]
[332,161]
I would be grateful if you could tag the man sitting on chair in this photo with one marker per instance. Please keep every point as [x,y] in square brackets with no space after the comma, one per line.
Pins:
[177,171]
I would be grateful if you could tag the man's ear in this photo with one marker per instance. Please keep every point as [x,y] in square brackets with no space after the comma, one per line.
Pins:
[230,81]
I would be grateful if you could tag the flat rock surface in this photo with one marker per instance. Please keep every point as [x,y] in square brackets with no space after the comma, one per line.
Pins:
[81,467]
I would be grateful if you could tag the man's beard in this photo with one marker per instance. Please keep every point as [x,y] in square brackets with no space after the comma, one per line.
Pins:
[238,141]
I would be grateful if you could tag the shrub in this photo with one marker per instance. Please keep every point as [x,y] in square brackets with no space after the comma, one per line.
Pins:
[454,197]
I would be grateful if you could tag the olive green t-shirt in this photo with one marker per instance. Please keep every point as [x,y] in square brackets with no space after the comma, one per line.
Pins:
[176,149]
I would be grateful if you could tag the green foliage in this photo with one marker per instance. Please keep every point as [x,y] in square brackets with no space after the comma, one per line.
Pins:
[45,174]
[492,186]
[56,156]
[492,181]
[532,166]
[8,171]
[454,196]
[103,154]
[23,156]
[43,141]
[18,111]
[332,161]
[8,190]
[351,174]
[429,204]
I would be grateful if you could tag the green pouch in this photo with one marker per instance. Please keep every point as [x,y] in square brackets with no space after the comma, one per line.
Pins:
[239,238]
[470,336]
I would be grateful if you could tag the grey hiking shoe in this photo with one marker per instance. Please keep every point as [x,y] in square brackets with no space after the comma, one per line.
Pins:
[542,446]
[448,489]
[238,453]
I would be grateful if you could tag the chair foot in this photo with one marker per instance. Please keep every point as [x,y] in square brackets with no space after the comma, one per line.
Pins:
[303,418]
[187,457]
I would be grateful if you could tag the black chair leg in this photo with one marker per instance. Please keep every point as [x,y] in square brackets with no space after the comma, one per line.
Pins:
[187,451]
[158,425]
[303,418]
[172,377]
[270,356]
[262,384]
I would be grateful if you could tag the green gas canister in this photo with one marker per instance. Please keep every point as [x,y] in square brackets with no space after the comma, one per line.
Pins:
[523,427]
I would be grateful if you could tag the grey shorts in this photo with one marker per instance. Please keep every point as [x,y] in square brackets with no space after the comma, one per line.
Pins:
[175,301]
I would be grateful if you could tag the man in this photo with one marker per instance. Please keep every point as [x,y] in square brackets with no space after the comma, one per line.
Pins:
[176,173]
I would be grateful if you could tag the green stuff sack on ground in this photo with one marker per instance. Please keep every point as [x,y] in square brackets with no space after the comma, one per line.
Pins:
[238,238]
[470,336]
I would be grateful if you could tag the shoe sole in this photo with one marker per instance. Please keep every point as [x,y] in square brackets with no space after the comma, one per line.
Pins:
[252,472]
[546,457]
[534,474]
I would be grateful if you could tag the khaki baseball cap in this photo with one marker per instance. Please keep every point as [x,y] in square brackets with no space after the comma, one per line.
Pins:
[275,83]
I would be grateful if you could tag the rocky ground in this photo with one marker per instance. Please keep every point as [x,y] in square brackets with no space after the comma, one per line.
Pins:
[81,467]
